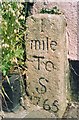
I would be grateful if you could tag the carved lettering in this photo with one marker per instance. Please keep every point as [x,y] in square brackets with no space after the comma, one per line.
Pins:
[36,44]
[39,58]
[47,44]
[49,65]
[53,45]
[43,88]
[42,25]
[37,99]
[43,44]
[54,108]
[46,106]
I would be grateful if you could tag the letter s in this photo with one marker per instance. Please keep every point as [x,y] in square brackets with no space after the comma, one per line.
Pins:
[43,88]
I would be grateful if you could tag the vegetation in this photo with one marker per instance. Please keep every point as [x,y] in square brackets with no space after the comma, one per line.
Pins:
[54,10]
[12,46]
[12,35]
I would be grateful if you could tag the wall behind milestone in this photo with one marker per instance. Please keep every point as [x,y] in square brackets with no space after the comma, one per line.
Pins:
[71,12]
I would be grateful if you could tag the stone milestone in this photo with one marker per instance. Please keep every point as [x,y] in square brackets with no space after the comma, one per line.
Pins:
[46,61]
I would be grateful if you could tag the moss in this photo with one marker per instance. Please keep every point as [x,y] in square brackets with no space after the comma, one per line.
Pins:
[54,10]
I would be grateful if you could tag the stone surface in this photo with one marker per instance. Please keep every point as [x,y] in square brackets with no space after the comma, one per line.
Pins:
[46,56]
[70,10]
[72,111]
[40,114]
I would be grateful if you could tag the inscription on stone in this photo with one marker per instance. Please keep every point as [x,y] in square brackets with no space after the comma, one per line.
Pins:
[43,87]
[47,64]
[43,45]
[45,48]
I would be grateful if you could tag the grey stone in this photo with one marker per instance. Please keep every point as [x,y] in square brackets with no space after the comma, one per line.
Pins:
[46,61]
[40,114]
[72,111]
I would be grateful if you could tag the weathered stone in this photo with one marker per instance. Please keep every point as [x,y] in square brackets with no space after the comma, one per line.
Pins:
[40,114]
[46,56]
[70,10]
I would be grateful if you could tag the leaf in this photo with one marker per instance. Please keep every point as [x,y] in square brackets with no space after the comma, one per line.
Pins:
[8,80]
[6,94]
[1,93]
[12,22]
[4,72]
